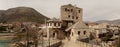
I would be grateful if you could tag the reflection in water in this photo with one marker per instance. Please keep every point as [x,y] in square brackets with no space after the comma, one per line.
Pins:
[6,42]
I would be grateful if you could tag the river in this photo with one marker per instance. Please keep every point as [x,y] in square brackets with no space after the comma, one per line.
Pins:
[6,40]
[5,43]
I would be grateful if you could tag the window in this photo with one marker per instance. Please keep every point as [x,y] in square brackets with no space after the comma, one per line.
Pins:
[78,32]
[54,34]
[65,9]
[54,24]
[71,10]
[79,11]
[72,17]
[58,24]
[68,10]
[84,32]
[108,26]
[72,33]
[76,17]
[68,16]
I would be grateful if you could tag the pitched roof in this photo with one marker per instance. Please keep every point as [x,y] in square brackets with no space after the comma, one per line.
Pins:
[54,20]
[78,25]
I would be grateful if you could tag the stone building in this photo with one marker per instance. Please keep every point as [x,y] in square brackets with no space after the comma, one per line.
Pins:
[70,25]
[53,23]
[99,29]
[79,31]
[70,14]
[53,27]
[6,28]
[71,17]
[104,28]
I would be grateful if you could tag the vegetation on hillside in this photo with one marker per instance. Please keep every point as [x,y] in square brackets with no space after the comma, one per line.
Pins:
[22,14]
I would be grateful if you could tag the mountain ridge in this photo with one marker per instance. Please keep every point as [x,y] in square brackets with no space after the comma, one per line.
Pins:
[117,21]
[21,14]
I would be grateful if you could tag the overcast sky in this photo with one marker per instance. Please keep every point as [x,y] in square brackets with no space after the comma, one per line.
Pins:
[93,9]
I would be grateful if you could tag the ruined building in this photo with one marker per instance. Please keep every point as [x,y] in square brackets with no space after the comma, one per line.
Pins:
[70,14]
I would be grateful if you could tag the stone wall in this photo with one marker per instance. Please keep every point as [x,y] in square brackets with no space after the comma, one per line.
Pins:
[55,44]
[83,44]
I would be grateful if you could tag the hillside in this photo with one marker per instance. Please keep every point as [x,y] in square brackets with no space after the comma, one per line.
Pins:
[117,21]
[21,14]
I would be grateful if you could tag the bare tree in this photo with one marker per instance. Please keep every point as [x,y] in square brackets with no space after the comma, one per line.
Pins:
[28,34]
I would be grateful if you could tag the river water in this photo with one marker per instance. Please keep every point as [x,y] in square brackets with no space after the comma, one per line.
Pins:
[6,40]
[5,43]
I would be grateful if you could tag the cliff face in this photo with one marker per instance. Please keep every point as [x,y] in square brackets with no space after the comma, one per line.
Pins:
[21,14]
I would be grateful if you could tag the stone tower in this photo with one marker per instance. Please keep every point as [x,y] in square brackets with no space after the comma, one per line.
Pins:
[70,12]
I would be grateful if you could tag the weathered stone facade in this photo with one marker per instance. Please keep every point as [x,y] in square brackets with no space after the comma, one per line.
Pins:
[72,18]
[79,31]
[70,12]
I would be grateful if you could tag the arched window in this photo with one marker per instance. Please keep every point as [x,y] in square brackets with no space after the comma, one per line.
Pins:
[54,34]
